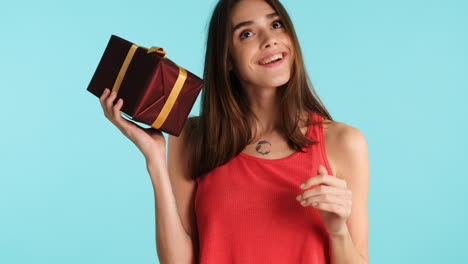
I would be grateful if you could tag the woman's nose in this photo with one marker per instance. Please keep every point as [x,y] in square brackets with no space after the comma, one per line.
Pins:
[269,39]
[271,43]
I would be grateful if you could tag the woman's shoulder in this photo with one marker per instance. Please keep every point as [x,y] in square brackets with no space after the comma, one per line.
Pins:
[340,130]
[342,141]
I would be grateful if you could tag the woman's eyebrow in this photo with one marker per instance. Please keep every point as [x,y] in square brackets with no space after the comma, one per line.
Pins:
[250,22]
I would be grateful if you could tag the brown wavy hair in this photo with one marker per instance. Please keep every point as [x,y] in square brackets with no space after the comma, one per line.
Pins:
[223,127]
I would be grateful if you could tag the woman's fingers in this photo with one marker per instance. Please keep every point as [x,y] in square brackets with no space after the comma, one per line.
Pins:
[110,100]
[104,101]
[145,139]
[327,198]
[111,110]
[324,189]
[103,98]
[116,109]
[341,210]
[324,179]
[121,122]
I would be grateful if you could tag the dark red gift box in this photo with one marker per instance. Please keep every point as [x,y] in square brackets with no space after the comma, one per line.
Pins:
[155,90]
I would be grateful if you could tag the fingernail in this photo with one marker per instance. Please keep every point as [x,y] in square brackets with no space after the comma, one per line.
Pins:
[298,198]
[302,186]
[303,202]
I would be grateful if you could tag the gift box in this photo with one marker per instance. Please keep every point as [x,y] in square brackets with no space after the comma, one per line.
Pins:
[155,90]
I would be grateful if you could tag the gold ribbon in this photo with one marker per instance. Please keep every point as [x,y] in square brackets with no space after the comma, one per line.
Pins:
[175,91]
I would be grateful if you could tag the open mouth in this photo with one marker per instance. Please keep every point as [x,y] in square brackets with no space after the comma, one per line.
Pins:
[273,60]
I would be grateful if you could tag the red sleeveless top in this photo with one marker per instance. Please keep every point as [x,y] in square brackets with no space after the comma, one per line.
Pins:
[247,210]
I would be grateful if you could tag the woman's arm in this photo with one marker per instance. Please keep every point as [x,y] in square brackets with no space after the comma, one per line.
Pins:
[342,200]
[344,251]
[351,245]
[174,245]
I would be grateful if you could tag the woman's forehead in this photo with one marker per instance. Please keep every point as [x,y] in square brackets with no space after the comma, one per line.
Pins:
[250,10]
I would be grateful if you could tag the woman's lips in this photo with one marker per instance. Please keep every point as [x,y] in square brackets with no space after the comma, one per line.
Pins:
[276,63]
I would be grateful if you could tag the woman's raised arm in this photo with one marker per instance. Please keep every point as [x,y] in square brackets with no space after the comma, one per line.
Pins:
[173,240]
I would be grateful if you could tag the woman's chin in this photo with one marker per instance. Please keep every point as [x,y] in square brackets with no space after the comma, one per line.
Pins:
[276,81]
[268,80]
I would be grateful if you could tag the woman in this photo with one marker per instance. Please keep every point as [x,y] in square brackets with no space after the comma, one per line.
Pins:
[230,190]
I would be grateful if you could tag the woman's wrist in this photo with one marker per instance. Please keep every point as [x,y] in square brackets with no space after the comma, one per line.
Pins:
[340,234]
[156,157]
[157,168]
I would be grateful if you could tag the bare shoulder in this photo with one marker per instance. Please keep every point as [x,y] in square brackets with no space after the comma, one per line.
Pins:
[345,134]
[343,142]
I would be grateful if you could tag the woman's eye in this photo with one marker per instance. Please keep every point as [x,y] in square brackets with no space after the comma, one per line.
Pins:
[277,23]
[244,35]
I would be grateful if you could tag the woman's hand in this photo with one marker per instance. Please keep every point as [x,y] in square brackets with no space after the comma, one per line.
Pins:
[332,198]
[150,141]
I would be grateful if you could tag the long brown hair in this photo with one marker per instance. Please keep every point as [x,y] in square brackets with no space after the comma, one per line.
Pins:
[223,128]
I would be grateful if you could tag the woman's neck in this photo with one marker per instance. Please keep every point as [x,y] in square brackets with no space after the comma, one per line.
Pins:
[264,103]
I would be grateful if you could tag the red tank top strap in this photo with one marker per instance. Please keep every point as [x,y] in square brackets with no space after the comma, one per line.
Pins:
[319,135]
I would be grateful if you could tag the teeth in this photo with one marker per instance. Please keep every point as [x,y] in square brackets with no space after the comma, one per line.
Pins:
[272,58]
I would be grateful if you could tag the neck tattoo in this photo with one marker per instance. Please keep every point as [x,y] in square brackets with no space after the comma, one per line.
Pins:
[263,147]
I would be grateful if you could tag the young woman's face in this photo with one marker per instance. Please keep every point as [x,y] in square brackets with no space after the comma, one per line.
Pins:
[258,40]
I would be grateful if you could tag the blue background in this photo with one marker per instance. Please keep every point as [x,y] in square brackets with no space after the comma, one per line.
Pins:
[73,189]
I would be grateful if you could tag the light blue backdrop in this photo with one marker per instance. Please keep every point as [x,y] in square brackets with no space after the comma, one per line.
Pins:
[73,189]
